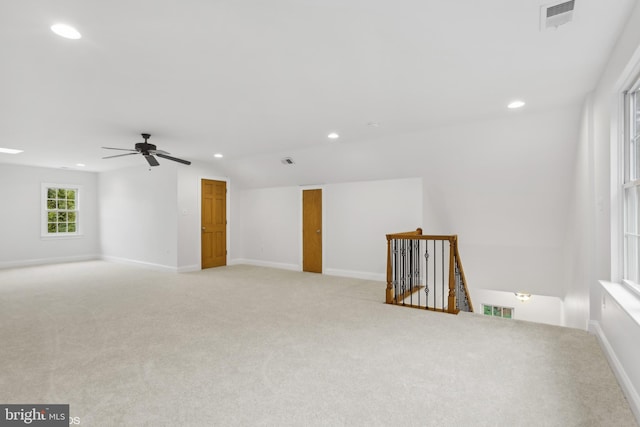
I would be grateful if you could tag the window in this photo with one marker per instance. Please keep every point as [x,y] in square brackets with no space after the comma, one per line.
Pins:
[497,311]
[61,207]
[631,185]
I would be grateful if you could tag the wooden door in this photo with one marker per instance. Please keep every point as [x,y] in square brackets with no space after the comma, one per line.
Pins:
[312,231]
[214,223]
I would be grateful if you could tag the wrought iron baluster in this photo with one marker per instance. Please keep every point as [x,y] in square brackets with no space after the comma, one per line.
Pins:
[443,288]
[426,274]
[401,261]
[417,264]
[411,267]
[394,268]
[435,275]
[457,287]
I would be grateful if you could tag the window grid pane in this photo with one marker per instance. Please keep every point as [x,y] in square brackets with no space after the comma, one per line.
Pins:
[61,210]
[631,191]
[634,136]
[631,195]
[632,272]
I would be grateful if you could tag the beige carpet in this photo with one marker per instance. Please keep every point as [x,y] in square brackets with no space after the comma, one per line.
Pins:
[250,346]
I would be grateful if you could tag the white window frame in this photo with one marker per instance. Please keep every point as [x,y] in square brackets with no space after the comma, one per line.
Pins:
[628,180]
[44,231]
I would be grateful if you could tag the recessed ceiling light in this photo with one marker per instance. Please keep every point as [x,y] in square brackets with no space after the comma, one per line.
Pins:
[66,31]
[523,296]
[218,156]
[516,104]
[81,165]
[333,135]
[373,124]
[10,151]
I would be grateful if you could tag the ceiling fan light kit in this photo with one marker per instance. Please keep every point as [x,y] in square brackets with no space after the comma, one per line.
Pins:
[148,151]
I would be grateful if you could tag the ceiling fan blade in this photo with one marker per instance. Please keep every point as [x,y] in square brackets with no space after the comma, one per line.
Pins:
[152,160]
[175,159]
[120,155]
[161,152]
[121,149]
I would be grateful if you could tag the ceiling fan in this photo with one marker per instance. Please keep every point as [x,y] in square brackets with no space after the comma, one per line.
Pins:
[148,151]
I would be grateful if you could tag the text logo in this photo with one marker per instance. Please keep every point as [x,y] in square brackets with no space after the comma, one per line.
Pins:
[39,415]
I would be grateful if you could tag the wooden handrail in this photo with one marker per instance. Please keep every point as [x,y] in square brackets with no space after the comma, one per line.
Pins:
[418,232]
[454,259]
[419,236]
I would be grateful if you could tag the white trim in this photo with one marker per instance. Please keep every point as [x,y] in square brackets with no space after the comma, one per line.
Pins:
[629,78]
[45,261]
[261,263]
[44,234]
[633,287]
[151,265]
[62,236]
[618,369]
[626,297]
[630,72]
[364,275]
[188,268]
[617,165]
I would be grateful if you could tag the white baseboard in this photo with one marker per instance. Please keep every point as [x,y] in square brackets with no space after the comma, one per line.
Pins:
[295,267]
[378,277]
[627,386]
[189,268]
[140,263]
[45,261]
[260,263]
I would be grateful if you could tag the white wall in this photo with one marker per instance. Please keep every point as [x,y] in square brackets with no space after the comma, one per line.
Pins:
[359,215]
[619,336]
[595,206]
[144,215]
[138,215]
[269,222]
[580,238]
[21,243]
[539,309]
[356,218]
[501,184]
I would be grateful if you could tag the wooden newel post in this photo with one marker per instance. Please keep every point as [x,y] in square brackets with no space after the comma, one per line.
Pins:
[389,298]
[452,275]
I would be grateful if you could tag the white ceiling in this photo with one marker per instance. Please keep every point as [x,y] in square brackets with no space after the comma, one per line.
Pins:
[252,77]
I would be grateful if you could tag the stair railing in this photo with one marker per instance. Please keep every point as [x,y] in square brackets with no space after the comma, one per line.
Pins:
[428,264]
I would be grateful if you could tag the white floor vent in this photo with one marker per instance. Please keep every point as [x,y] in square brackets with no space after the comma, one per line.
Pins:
[555,14]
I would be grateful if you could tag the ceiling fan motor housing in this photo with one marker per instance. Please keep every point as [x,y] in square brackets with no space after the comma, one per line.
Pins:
[145,147]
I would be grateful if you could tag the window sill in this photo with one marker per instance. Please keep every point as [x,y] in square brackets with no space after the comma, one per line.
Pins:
[632,287]
[62,237]
[627,296]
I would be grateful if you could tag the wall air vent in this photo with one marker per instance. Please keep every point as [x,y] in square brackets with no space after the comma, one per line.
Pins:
[556,14]
[287,161]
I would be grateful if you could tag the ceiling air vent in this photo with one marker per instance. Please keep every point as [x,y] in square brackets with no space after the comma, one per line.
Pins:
[556,14]
[287,161]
